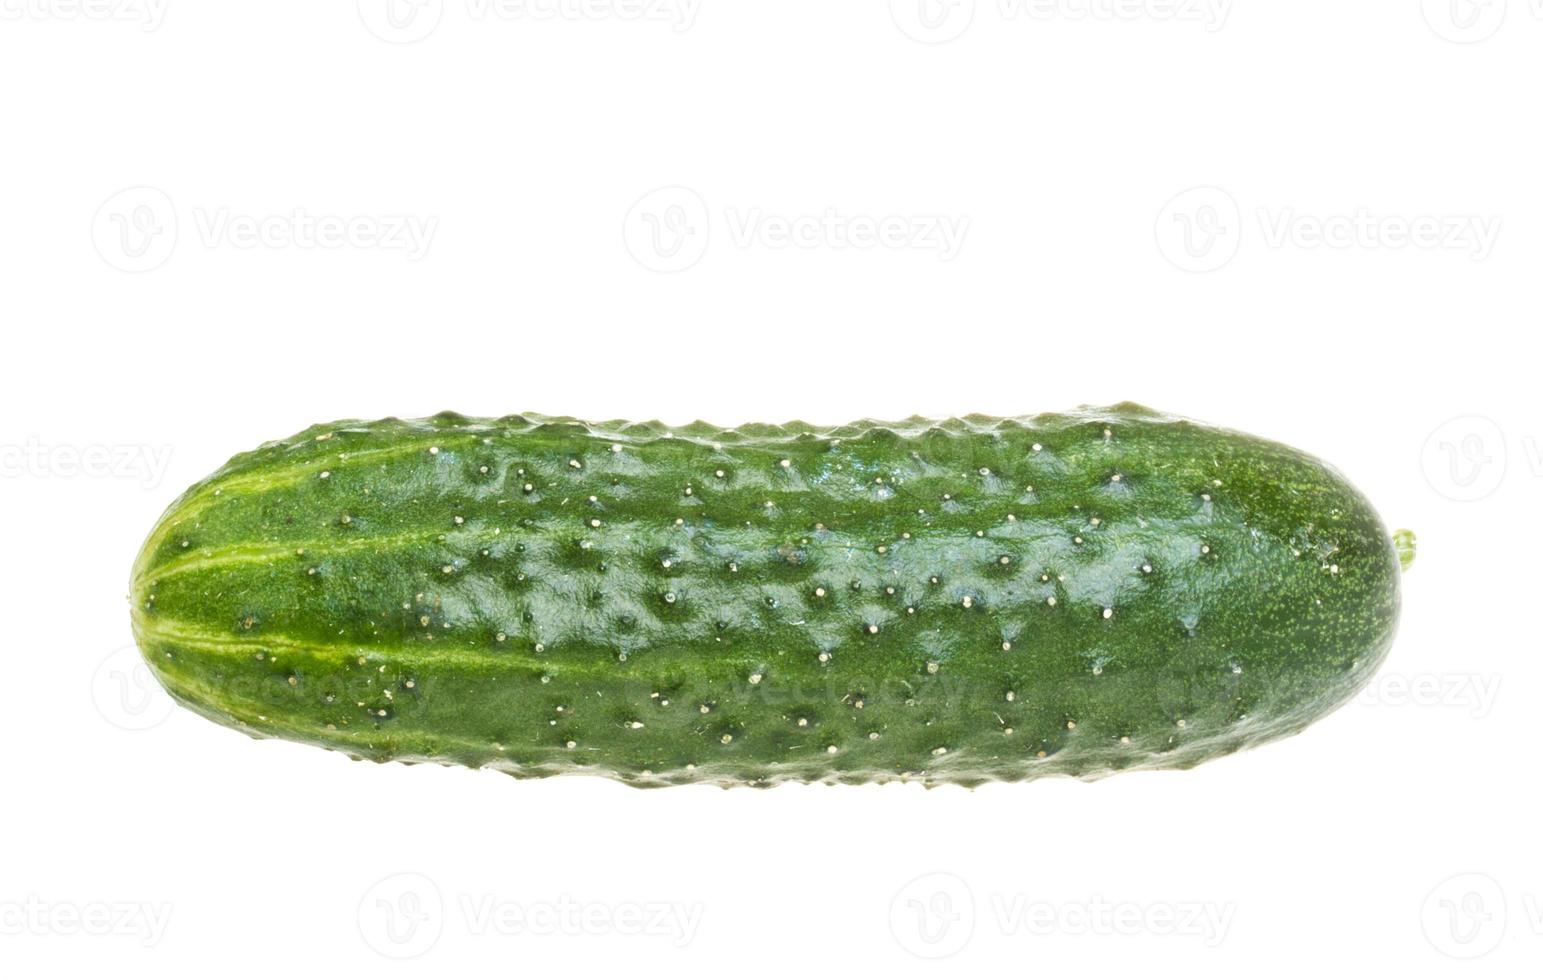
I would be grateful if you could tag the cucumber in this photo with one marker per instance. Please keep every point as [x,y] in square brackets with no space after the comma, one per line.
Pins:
[942,601]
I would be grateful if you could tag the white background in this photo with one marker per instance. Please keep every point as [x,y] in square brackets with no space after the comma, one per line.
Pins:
[220,223]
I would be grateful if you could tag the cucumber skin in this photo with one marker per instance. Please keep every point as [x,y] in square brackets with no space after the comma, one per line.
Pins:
[445,590]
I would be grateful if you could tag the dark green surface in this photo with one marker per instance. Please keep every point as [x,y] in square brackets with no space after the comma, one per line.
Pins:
[960,601]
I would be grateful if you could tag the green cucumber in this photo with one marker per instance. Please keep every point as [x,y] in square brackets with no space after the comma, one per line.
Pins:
[950,602]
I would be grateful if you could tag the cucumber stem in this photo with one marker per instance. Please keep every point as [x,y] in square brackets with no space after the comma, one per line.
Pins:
[1404,544]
